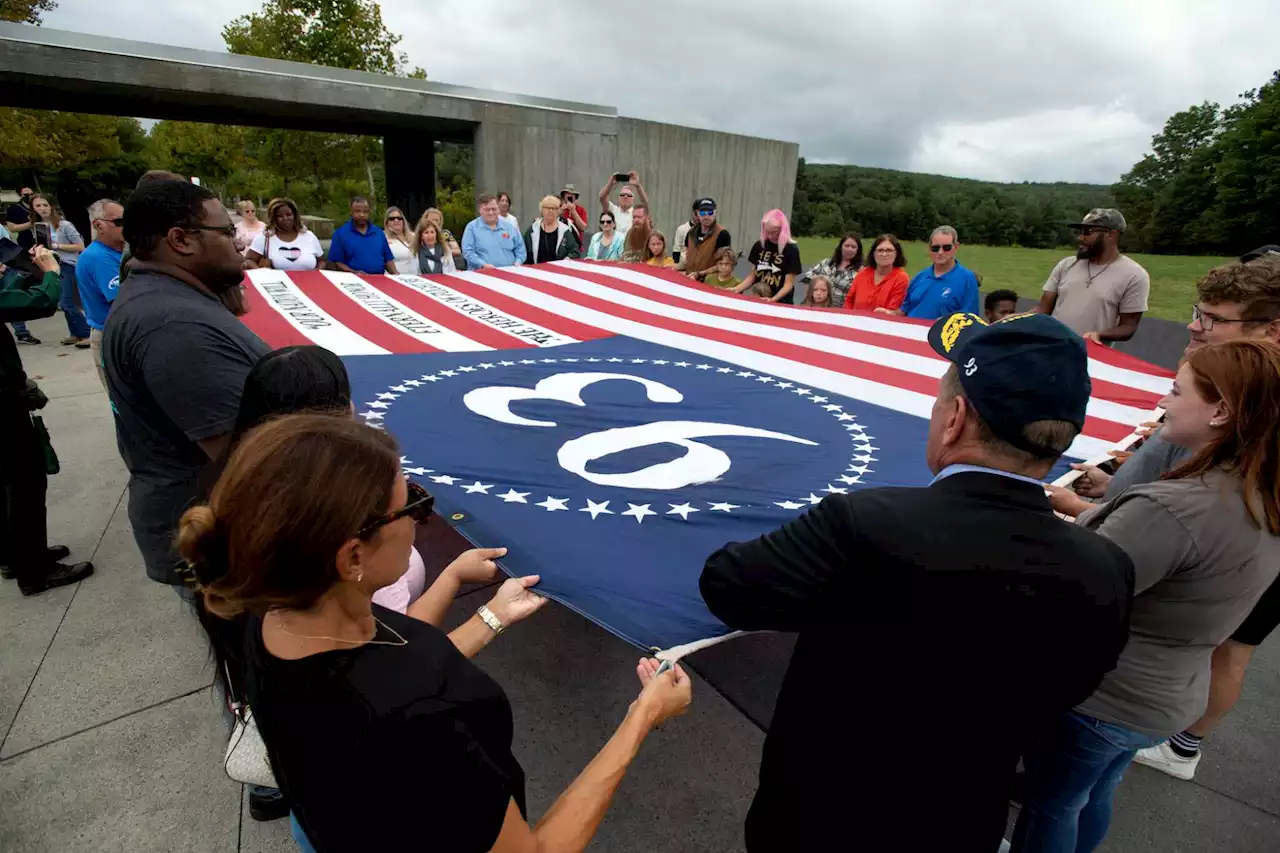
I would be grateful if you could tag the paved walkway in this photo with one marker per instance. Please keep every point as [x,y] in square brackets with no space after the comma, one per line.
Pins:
[110,738]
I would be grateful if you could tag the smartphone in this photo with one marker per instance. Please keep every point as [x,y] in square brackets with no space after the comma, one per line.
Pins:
[621,177]
[43,235]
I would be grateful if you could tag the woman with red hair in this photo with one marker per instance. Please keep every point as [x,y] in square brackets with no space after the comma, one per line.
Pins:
[775,261]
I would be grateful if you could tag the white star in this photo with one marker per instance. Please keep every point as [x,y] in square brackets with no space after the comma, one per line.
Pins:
[724,507]
[868,448]
[819,399]
[682,364]
[834,408]
[549,361]
[786,384]
[704,367]
[486,365]
[661,361]
[858,427]
[681,510]
[507,363]
[765,379]
[849,481]
[431,379]
[858,469]
[813,499]
[745,374]
[788,504]
[637,361]
[373,416]
[444,479]
[449,373]
[417,472]
[386,396]
[854,428]
[803,392]
[402,389]
[552,504]
[570,360]
[864,458]
[527,361]
[467,369]
[405,460]
[724,370]
[845,416]
[639,512]
[594,360]
[596,508]
[376,426]
[514,497]
[835,490]
[615,361]
[477,486]
[415,383]
[378,404]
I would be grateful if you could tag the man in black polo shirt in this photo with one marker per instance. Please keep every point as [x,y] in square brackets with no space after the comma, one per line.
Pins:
[940,626]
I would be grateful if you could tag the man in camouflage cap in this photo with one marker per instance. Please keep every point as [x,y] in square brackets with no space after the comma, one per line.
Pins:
[1099,294]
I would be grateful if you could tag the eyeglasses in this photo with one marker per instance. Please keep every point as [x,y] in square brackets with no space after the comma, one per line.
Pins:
[117,222]
[418,507]
[886,250]
[395,219]
[1088,230]
[1207,321]
[945,247]
[227,230]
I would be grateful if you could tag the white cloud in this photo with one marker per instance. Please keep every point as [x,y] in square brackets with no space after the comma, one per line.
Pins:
[1006,89]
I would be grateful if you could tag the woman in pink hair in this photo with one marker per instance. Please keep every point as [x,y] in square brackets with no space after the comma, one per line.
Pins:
[775,261]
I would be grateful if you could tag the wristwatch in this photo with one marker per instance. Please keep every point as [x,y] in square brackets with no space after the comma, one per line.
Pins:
[489,619]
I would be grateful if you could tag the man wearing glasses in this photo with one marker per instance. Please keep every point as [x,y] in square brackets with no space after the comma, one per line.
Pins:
[175,357]
[1099,294]
[1239,300]
[98,272]
[945,287]
[622,211]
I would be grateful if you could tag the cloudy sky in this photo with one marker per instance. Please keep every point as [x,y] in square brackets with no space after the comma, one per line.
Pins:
[1005,90]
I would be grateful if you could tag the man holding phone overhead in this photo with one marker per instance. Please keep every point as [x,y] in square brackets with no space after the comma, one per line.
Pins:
[631,188]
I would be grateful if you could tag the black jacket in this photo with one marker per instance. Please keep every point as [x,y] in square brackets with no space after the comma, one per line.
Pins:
[939,627]
[21,298]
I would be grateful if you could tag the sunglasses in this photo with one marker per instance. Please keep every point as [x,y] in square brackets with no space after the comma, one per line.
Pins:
[625,195]
[418,507]
[395,219]
[944,247]
[707,211]
[227,230]
[606,221]
[117,222]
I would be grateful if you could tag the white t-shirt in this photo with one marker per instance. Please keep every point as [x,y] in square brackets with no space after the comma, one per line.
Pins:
[299,254]
[621,219]
[406,262]
[514,222]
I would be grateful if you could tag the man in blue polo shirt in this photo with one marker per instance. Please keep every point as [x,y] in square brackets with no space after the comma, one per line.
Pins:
[489,240]
[359,245]
[945,287]
[98,272]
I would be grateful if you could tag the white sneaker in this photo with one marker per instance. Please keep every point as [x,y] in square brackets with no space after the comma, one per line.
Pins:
[1162,757]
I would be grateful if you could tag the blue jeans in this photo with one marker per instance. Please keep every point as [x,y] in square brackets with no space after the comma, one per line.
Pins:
[1071,780]
[19,328]
[77,325]
[300,837]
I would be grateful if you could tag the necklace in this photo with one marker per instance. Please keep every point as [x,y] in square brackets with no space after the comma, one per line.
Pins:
[402,640]
[1093,276]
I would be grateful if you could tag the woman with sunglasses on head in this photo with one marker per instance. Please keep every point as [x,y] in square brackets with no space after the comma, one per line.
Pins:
[1205,544]
[364,711]
[285,244]
[249,226]
[400,239]
[434,257]
[881,284]
[434,215]
[606,244]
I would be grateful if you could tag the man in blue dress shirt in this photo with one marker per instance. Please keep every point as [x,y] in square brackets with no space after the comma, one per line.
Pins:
[489,240]
[945,287]
[359,245]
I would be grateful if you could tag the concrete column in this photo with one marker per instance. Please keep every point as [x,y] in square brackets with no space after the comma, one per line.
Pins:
[410,158]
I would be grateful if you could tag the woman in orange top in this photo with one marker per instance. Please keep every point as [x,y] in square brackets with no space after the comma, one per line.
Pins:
[881,284]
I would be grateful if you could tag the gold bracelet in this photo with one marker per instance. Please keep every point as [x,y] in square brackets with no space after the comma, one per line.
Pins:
[486,615]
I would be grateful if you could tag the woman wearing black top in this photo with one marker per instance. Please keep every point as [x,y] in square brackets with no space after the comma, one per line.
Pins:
[366,712]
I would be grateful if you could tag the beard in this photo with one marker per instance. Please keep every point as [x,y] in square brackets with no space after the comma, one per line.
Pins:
[1091,252]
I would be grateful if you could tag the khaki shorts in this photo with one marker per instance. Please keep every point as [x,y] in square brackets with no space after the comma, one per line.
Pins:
[95,347]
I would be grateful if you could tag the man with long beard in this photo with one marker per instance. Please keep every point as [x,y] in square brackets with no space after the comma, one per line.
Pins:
[1099,294]
[175,357]
[638,237]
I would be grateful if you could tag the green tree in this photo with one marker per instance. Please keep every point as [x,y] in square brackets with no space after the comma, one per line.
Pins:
[211,152]
[25,11]
[1248,174]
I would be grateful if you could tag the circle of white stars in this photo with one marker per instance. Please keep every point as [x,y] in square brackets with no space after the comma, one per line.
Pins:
[375,413]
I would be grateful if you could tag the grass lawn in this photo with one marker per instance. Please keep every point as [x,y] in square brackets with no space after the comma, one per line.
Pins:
[1173,277]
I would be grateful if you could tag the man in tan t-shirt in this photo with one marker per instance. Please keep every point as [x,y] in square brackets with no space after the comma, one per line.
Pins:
[1100,294]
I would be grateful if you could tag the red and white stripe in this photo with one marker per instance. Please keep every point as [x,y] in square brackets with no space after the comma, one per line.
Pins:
[882,360]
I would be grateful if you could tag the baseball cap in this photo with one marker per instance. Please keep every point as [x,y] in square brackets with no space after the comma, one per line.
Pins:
[1022,369]
[1269,249]
[1102,217]
[707,204]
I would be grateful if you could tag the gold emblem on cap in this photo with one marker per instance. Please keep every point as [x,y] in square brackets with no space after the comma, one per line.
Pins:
[955,325]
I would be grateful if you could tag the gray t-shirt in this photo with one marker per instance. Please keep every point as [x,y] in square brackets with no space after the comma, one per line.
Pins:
[176,361]
[1148,463]
[1091,297]
[1200,564]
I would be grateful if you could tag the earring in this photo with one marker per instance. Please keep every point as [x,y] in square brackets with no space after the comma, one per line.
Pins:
[359,576]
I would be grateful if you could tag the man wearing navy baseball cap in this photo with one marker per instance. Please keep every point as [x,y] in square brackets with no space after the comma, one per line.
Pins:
[940,627]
